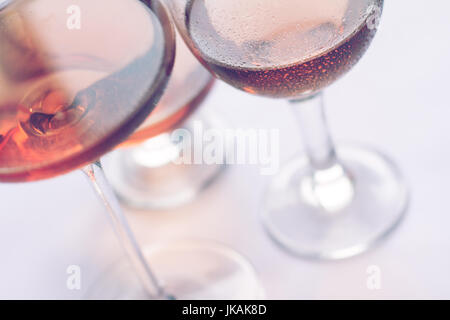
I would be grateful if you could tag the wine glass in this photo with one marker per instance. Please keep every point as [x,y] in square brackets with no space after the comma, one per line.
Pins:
[147,171]
[67,98]
[329,203]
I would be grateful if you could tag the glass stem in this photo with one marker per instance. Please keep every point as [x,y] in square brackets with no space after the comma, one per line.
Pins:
[319,146]
[96,176]
[329,185]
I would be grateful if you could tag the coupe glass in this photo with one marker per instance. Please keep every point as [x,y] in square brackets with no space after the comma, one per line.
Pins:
[329,203]
[70,92]
[147,171]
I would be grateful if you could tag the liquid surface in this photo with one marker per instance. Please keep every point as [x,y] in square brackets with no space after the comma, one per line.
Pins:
[283,48]
[70,92]
[188,85]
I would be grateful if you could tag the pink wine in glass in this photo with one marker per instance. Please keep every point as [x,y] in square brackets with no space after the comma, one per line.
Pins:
[143,172]
[188,86]
[287,49]
[70,91]
[328,203]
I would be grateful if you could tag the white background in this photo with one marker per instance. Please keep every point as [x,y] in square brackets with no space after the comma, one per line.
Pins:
[396,99]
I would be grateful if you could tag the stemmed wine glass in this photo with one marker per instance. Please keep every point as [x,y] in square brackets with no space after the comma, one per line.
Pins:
[147,171]
[74,83]
[330,203]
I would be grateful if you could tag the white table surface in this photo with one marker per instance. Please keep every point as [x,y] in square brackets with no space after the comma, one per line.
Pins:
[396,99]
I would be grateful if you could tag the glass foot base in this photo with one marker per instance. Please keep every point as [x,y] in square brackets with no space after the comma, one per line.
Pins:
[187,271]
[151,176]
[340,215]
